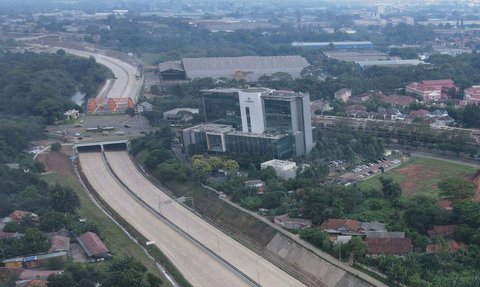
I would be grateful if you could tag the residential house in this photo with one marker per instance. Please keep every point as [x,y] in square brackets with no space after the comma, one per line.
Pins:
[451,247]
[446,204]
[93,246]
[420,114]
[472,96]
[432,90]
[393,246]
[292,223]
[59,243]
[384,234]
[38,274]
[18,215]
[180,115]
[144,107]
[399,101]
[343,95]
[320,106]
[335,227]
[356,111]
[374,226]
[259,185]
[442,230]
[8,234]
[445,121]
[32,261]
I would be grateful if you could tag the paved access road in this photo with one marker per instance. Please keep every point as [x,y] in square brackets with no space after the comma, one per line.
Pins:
[199,268]
[125,83]
[247,261]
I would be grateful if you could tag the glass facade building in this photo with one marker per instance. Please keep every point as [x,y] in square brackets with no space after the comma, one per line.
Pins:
[253,122]
[223,107]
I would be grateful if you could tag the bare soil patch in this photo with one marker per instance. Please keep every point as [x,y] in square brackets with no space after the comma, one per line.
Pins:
[58,162]
[414,175]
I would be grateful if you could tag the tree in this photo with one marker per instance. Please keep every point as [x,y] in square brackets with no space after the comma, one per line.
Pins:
[55,147]
[215,162]
[252,171]
[64,199]
[468,212]
[231,166]
[130,111]
[457,188]
[356,246]
[390,188]
[34,241]
[201,167]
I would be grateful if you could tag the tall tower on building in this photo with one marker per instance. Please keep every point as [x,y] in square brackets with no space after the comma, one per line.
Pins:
[262,111]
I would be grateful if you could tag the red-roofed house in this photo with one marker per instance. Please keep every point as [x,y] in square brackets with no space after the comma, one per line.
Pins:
[92,245]
[17,215]
[442,230]
[401,101]
[343,94]
[341,226]
[38,274]
[419,114]
[472,95]
[452,247]
[8,234]
[446,204]
[395,246]
[432,90]
[59,243]
[37,283]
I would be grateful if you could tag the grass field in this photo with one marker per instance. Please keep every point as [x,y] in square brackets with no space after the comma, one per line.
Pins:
[115,239]
[421,175]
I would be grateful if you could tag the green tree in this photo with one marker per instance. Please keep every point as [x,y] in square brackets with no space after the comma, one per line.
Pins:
[34,241]
[357,246]
[64,199]
[201,167]
[231,166]
[457,188]
[390,188]
[215,162]
[130,111]
[252,171]
[55,147]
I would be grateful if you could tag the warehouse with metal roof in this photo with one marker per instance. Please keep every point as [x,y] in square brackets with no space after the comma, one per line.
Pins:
[248,68]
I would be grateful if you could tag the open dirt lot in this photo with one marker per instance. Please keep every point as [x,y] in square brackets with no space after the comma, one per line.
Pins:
[422,175]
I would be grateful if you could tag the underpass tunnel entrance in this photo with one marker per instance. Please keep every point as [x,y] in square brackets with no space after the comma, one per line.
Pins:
[90,148]
[115,147]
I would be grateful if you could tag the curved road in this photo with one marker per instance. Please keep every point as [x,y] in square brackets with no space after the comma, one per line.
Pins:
[125,84]
[199,268]
[244,259]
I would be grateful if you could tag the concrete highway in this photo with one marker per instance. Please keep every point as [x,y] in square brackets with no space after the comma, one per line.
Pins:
[198,267]
[247,261]
[125,83]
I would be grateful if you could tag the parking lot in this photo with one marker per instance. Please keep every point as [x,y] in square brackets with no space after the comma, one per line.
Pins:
[364,171]
[101,126]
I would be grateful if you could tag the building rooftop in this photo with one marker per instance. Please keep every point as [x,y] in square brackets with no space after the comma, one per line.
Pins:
[170,65]
[384,234]
[389,245]
[92,244]
[38,274]
[279,163]
[396,62]
[309,44]
[174,112]
[211,128]
[341,224]
[249,67]
[441,230]
[59,243]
